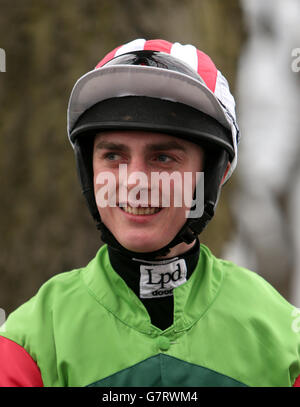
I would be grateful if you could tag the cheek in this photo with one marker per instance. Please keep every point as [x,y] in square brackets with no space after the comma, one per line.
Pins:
[96,170]
[96,179]
[105,188]
[196,159]
[197,167]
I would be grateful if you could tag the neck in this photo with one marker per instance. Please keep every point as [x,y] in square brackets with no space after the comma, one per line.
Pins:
[179,249]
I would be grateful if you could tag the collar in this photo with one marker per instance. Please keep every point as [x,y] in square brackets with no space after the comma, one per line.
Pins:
[191,299]
[157,278]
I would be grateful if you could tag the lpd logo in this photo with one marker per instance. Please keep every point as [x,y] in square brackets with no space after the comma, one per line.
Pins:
[160,280]
[2,60]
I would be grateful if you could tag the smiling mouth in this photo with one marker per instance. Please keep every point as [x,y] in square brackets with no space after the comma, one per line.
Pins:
[140,211]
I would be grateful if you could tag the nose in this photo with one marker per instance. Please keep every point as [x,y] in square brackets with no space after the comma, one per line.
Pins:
[137,163]
[138,175]
[138,170]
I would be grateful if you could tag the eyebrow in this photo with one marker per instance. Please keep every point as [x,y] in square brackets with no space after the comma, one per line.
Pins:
[108,145]
[169,145]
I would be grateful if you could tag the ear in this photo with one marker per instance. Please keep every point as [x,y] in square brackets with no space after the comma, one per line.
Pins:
[225,173]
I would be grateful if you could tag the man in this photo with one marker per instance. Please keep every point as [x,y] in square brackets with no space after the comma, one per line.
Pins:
[154,307]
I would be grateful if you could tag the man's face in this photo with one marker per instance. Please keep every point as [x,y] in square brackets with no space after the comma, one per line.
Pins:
[143,229]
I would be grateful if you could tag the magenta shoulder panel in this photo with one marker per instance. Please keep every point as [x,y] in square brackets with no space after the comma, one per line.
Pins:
[297,382]
[17,368]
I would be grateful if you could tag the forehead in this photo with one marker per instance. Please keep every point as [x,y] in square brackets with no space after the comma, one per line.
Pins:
[134,139]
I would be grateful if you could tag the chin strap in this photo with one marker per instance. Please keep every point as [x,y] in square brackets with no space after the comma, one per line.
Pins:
[188,233]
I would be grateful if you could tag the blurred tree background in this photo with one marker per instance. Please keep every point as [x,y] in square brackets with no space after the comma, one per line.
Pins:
[45,225]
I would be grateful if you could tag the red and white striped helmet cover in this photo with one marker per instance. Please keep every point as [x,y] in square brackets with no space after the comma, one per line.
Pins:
[202,64]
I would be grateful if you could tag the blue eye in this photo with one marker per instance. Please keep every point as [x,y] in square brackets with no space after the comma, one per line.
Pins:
[163,158]
[111,156]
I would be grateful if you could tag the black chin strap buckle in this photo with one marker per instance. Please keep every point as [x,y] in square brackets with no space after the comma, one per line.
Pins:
[187,235]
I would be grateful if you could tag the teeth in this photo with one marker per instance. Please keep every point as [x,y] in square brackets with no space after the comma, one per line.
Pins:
[140,211]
